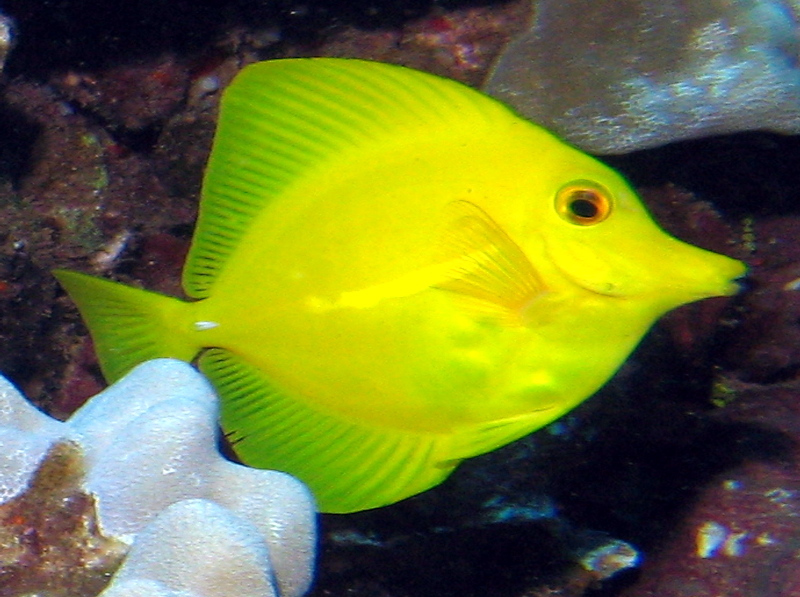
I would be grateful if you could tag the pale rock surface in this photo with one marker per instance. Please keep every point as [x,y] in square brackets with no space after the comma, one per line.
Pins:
[198,524]
[612,76]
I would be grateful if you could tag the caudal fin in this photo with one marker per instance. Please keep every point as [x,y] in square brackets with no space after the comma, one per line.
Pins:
[128,325]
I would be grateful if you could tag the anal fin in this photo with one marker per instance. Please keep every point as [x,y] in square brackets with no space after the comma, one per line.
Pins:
[348,466]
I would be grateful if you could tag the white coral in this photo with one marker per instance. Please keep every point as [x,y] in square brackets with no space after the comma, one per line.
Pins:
[199,524]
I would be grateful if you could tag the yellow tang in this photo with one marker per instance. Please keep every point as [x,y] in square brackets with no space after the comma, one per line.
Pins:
[392,272]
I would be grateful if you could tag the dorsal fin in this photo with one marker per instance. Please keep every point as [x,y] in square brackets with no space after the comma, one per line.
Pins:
[281,120]
[489,269]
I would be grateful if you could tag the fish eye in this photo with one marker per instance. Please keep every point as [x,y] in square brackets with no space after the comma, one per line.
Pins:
[583,203]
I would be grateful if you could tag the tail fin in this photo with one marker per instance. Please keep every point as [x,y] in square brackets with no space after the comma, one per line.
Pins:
[128,325]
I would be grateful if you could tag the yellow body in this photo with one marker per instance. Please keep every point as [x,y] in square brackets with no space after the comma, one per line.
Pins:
[393,272]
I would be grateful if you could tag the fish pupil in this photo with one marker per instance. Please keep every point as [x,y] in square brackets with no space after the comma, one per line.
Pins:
[584,208]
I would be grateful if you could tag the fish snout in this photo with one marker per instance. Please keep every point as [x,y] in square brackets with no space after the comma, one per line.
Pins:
[667,273]
[692,273]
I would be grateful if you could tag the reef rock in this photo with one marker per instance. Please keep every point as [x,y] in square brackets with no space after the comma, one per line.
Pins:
[615,76]
[138,465]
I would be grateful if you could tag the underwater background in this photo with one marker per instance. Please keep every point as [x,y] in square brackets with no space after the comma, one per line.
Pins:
[681,477]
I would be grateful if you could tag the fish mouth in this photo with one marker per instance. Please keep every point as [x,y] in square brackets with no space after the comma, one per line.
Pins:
[742,284]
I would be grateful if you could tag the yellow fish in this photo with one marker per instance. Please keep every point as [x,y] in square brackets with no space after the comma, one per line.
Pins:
[392,272]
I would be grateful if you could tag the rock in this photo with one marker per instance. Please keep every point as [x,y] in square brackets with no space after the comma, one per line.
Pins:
[141,460]
[617,76]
